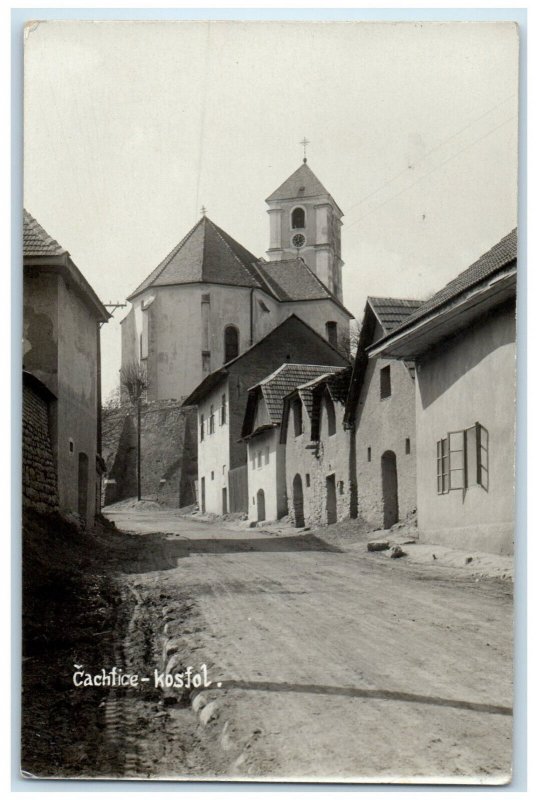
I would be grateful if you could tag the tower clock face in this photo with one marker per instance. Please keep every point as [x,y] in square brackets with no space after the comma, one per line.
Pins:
[298,240]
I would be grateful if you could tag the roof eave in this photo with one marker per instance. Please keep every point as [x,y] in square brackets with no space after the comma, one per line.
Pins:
[415,339]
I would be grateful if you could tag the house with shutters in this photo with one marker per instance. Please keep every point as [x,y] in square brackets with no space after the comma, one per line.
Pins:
[62,315]
[210,299]
[320,479]
[380,416]
[221,401]
[266,453]
[463,343]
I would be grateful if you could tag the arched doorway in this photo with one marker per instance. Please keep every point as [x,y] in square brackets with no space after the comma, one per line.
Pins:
[330,486]
[260,498]
[298,501]
[389,481]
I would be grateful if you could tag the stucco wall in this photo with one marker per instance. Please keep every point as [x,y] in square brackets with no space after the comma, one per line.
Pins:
[214,451]
[471,378]
[384,425]
[318,461]
[77,400]
[267,473]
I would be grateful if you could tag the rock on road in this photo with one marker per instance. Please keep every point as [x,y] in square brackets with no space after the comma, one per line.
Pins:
[335,664]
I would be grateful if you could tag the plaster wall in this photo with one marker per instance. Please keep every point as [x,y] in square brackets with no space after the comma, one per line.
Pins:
[470,378]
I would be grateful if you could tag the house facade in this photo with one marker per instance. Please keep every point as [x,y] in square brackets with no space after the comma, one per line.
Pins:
[62,317]
[380,415]
[266,454]
[221,401]
[463,343]
[211,299]
[319,479]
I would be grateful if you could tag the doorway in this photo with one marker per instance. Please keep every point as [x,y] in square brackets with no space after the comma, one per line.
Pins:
[83,486]
[224,501]
[298,501]
[330,487]
[202,496]
[389,481]
[260,498]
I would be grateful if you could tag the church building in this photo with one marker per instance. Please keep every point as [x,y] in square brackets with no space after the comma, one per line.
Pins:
[211,299]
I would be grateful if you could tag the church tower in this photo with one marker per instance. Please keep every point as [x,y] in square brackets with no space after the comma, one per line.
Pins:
[305,221]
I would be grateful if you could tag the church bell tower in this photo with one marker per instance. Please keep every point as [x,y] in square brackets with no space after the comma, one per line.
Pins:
[305,222]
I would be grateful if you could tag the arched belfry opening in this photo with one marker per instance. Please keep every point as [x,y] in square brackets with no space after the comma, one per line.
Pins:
[298,218]
[231,343]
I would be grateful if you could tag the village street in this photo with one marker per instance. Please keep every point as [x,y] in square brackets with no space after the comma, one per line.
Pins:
[334,662]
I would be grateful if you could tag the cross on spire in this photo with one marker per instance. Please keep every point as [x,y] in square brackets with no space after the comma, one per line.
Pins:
[304,143]
[203,211]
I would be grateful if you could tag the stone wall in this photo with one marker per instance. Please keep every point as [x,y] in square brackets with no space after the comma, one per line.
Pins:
[168,448]
[39,479]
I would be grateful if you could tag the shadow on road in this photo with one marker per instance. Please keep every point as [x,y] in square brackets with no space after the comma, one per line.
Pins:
[368,694]
[158,551]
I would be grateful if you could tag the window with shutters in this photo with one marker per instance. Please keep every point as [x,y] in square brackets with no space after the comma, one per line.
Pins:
[463,459]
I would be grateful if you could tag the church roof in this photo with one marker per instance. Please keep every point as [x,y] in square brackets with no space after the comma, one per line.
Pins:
[206,254]
[36,240]
[292,280]
[302,183]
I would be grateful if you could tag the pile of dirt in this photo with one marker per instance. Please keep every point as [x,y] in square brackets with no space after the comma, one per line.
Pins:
[70,605]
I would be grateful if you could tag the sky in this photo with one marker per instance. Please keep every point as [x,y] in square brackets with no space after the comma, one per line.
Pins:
[130,127]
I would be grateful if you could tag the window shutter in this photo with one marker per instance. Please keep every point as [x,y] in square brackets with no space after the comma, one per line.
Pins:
[482,436]
[456,460]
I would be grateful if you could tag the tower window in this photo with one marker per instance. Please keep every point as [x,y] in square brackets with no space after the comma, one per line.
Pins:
[331,416]
[231,343]
[297,218]
[332,333]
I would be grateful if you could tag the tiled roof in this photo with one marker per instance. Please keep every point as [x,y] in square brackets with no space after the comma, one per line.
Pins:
[501,254]
[302,183]
[206,254]
[283,381]
[292,279]
[36,240]
[392,311]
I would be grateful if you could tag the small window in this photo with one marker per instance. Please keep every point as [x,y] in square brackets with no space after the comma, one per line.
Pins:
[331,329]
[369,454]
[259,458]
[223,410]
[206,361]
[297,417]
[254,461]
[71,446]
[407,446]
[211,420]
[231,343]
[297,218]
[212,475]
[307,479]
[341,487]
[202,427]
[384,382]
[266,455]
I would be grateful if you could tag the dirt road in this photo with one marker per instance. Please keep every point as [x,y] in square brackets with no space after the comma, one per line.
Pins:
[334,664]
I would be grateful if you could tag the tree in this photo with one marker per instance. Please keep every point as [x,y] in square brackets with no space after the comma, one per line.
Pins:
[133,378]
